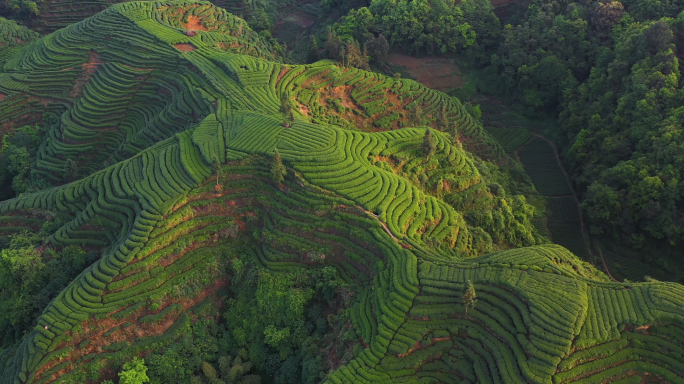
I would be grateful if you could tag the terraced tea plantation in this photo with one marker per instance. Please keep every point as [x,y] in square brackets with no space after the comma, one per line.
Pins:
[176,137]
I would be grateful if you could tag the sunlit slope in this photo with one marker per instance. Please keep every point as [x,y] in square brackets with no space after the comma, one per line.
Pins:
[543,316]
[150,199]
[121,80]
[540,318]
[132,75]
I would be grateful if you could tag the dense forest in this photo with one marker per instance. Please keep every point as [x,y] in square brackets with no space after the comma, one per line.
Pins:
[608,70]
[252,192]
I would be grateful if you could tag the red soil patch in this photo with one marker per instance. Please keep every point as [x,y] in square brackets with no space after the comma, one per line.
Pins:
[2,96]
[94,330]
[383,225]
[228,46]
[417,346]
[432,71]
[304,110]
[194,24]
[343,93]
[87,70]
[185,47]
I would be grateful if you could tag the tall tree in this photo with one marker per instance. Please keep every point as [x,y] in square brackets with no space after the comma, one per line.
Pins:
[278,170]
[378,49]
[442,121]
[216,167]
[429,146]
[313,49]
[606,14]
[286,108]
[416,116]
[70,170]
[469,297]
[453,130]
[333,45]
[355,57]
[135,372]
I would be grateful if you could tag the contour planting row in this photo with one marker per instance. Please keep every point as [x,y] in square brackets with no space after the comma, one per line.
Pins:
[212,27]
[134,195]
[368,95]
[57,14]
[178,249]
[378,316]
[12,37]
[536,330]
[115,115]
[115,112]
[339,161]
[636,354]
[309,228]
[448,165]
[306,227]
[12,34]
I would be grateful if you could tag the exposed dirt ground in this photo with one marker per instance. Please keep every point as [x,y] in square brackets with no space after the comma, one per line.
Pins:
[194,24]
[432,71]
[185,47]
[88,69]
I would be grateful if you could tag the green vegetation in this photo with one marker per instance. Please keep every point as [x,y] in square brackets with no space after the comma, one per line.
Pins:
[611,69]
[12,37]
[278,170]
[134,372]
[233,219]
[30,278]
[469,297]
[420,26]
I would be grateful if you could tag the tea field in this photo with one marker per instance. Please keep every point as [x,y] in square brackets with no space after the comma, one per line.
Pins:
[175,135]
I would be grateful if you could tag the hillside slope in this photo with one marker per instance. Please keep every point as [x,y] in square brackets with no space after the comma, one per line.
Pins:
[13,36]
[173,134]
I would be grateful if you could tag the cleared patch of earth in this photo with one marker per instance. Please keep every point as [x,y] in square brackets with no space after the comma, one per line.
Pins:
[194,24]
[185,47]
[434,72]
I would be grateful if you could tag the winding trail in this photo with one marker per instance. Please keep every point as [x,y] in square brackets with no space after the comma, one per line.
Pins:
[383,225]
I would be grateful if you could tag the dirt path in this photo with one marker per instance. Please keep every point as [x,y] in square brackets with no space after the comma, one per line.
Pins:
[383,225]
